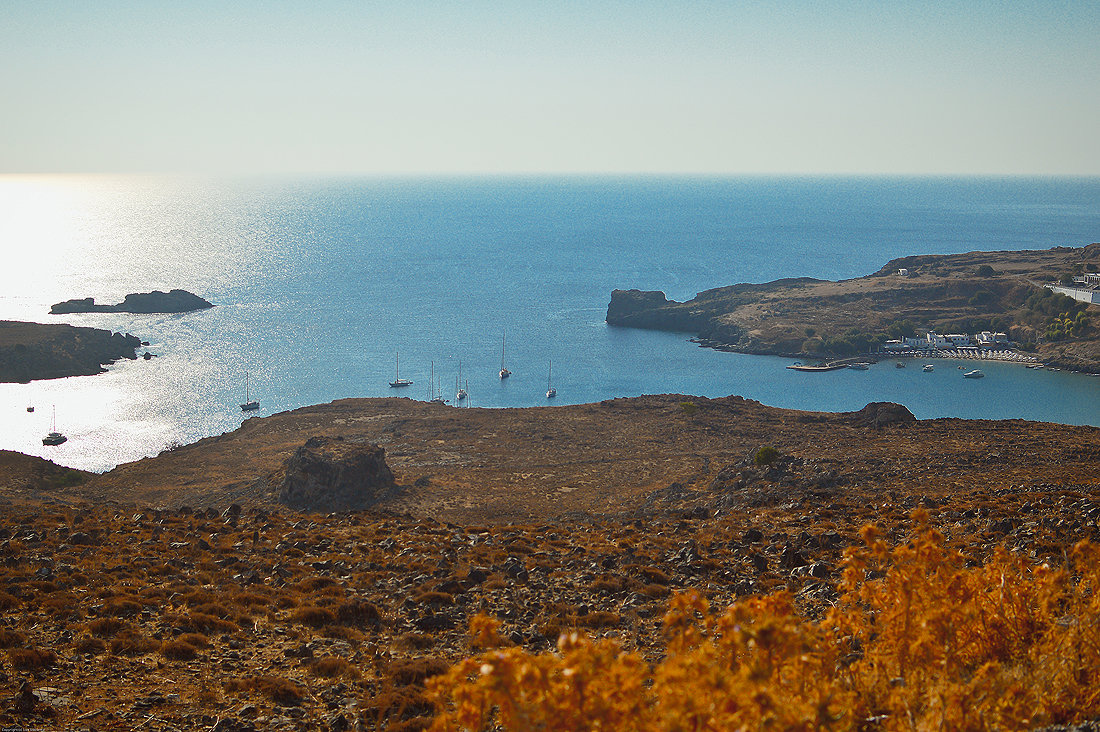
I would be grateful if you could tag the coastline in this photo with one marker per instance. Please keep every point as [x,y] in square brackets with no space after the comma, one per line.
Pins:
[810,318]
[36,351]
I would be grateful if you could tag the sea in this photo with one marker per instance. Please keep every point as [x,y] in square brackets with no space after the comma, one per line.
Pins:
[321,284]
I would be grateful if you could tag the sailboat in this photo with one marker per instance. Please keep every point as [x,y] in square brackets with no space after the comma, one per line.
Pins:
[551,392]
[250,404]
[504,373]
[460,392]
[54,437]
[433,397]
[398,381]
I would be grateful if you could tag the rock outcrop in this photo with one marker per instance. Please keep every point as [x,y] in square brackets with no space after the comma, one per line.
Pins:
[30,351]
[332,474]
[173,301]
[882,414]
[649,309]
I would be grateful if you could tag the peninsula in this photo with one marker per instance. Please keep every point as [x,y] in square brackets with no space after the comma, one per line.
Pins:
[1029,296]
[31,351]
[173,301]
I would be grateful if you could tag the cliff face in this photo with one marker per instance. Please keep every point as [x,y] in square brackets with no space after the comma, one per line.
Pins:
[645,309]
[30,351]
[174,301]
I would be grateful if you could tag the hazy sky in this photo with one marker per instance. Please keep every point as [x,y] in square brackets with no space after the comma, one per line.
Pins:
[550,86]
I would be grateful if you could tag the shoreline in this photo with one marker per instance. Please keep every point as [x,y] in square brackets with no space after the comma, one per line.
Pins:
[970,293]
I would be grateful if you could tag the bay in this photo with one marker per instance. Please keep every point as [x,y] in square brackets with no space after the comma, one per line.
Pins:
[320,282]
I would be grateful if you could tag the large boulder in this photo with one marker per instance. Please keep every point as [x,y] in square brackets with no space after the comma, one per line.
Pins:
[334,474]
[881,414]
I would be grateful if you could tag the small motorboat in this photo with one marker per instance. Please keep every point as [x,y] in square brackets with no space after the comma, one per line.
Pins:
[975,374]
[928,367]
[859,366]
[30,409]
[899,365]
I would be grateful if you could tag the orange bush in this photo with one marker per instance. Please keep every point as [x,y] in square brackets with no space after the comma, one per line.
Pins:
[918,640]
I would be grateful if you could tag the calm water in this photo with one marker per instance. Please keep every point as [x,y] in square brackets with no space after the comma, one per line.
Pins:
[318,283]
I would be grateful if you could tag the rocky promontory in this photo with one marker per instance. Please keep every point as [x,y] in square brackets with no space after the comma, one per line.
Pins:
[957,293]
[30,351]
[173,301]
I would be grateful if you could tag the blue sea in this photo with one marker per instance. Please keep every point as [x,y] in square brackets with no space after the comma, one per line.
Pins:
[320,283]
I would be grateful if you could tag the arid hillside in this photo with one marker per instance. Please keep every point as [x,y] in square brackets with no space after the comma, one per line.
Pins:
[622,457]
[175,593]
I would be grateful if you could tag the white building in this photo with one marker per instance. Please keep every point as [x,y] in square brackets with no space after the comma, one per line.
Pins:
[958,339]
[935,340]
[1081,294]
[986,338]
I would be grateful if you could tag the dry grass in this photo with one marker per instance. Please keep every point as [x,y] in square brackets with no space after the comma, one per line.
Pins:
[32,659]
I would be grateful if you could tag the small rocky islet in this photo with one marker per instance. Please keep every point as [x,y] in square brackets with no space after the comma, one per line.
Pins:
[173,301]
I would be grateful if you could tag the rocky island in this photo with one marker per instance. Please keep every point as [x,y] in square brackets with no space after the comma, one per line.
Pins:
[30,351]
[173,301]
[959,293]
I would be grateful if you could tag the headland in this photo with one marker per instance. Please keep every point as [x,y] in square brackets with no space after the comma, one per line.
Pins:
[1020,295]
[31,351]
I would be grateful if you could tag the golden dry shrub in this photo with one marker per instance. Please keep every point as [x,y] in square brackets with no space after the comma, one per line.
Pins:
[11,638]
[920,639]
[178,650]
[32,659]
[279,690]
[331,667]
[313,616]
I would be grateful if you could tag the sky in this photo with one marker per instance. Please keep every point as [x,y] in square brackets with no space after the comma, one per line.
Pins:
[553,86]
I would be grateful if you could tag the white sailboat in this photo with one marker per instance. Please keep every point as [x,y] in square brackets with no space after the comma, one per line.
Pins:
[250,404]
[54,437]
[433,396]
[551,392]
[504,373]
[398,381]
[460,392]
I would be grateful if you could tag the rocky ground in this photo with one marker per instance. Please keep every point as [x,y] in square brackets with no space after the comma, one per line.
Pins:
[948,293]
[146,613]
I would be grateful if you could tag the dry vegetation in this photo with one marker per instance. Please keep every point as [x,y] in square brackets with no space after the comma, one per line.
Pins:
[124,616]
[276,620]
[918,639]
